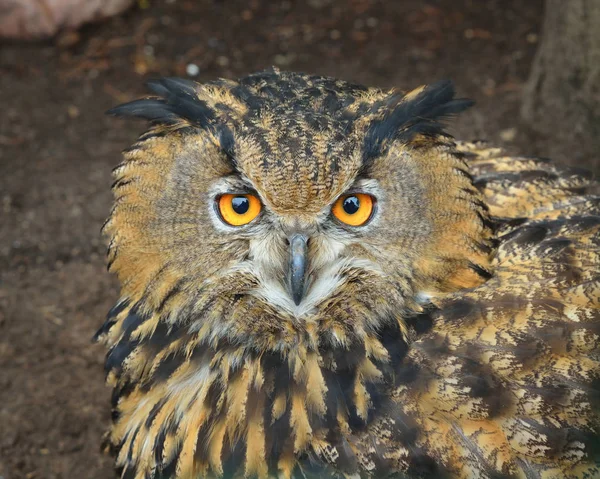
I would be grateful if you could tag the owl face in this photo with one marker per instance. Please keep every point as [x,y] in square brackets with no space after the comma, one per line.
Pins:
[262,211]
[300,239]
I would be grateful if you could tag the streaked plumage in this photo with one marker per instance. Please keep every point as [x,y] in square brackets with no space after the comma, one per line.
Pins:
[456,334]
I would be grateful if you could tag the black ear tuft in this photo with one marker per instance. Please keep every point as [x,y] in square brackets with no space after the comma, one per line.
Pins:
[171,87]
[415,113]
[177,100]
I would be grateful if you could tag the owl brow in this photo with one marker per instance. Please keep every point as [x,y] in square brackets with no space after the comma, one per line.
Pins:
[422,112]
[234,184]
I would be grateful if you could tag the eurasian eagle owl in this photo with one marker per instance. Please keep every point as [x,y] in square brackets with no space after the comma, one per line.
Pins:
[317,281]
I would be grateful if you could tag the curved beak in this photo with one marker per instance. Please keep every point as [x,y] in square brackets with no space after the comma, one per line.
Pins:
[297,266]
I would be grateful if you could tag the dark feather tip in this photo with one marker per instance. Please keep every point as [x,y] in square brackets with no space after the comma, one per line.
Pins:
[176,100]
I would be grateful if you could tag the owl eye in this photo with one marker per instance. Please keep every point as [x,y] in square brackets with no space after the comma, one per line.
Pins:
[238,210]
[354,209]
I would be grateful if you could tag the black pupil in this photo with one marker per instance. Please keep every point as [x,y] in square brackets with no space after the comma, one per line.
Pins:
[351,205]
[240,204]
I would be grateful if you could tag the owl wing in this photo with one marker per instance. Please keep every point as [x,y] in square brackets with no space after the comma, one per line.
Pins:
[506,382]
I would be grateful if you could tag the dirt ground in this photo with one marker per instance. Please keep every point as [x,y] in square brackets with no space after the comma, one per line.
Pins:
[57,150]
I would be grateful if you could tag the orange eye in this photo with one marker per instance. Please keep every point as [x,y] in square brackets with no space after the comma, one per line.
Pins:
[239,210]
[354,209]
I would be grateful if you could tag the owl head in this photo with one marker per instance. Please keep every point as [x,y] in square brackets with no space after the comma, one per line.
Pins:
[285,208]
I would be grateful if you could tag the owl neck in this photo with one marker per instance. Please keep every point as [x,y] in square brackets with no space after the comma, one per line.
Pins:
[274,405]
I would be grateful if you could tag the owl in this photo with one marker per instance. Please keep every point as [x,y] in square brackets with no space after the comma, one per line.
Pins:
[318,282]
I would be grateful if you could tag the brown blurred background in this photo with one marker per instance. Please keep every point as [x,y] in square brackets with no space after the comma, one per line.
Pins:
[57,149]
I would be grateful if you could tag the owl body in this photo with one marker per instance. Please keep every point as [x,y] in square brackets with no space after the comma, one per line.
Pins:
[317,281]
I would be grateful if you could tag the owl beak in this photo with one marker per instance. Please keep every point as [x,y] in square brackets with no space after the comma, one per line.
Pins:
[297,266]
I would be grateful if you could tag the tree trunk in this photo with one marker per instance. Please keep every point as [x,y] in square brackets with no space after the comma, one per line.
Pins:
[562,96]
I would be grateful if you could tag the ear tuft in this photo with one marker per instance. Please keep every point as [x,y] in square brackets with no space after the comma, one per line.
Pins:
[420,111]
[177,101]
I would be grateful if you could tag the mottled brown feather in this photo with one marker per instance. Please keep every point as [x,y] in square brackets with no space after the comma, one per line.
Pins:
[462,338]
